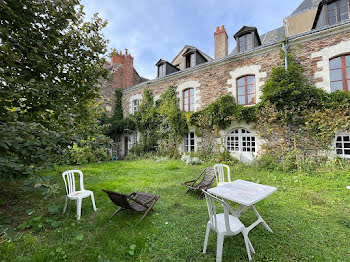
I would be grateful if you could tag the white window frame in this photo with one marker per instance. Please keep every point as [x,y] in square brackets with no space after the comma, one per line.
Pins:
[342,143]
[188,147]
[135,105]
[241,140]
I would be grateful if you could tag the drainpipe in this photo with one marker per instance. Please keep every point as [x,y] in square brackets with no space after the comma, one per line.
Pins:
[285,50]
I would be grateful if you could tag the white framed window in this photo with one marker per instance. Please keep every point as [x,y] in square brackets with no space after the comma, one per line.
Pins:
[189,142]
[135,139]
[241,140]
[342,145]
[135,105]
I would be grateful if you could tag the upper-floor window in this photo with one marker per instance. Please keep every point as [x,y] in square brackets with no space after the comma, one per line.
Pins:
[162,70]
[340,73]
[332,12]
[342,145]
[246,90]
[337,11]
[188,100]
[190,60]
[135,106]
[245,42]
[189,144]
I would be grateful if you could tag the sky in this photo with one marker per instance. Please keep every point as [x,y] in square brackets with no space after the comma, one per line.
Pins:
[159,29]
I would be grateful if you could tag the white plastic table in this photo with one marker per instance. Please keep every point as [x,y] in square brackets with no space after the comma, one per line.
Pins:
[246,194]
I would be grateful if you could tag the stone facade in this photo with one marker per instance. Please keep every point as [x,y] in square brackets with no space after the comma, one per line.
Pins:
[210,80]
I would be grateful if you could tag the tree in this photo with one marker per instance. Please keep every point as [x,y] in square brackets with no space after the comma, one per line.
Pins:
[50,61]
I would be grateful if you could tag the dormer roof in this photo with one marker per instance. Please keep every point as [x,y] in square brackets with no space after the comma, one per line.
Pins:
[246,30]
[319,9]
[160,62]
[186,47]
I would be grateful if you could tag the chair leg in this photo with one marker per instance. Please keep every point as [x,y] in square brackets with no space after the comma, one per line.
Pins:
[93,202]
[65,205]
[79,200]
[219,246]
[206,239]
[116,212]
[246,240]
[149,209]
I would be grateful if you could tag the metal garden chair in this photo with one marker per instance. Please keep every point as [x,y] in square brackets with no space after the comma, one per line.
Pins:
[72,194]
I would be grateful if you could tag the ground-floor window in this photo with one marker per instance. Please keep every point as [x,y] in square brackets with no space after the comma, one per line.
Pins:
[135,139]
[241,140]
[189,144]
[342,145]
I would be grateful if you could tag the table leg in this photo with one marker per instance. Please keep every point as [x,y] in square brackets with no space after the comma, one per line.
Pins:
[260,220]
[239,211]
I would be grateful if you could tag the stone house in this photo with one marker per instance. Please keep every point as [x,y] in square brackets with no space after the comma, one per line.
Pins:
[318,33]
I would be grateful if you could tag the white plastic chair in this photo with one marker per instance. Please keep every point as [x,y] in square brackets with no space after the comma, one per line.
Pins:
[220,174]
[348,187]
[72,194]
[224,224]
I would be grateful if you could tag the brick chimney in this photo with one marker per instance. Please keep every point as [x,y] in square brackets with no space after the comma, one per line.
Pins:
[128,66]
[220,42]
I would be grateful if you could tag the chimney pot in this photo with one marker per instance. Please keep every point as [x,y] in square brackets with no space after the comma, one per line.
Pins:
[222,27]
[217,28]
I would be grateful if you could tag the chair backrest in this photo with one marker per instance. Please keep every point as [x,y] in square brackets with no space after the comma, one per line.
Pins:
[211,204]
[220,173]
[69,180]
[119,199]
[208,177]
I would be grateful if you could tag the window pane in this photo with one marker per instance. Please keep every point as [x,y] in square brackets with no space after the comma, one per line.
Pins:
[335,63]
[192,91]
[336,75]
[251,89]
[339,138]
[347,59]
[240,82]
[191,135]
[241,91]
[191,107]
[336,86]
[251,80]
[346,152]
[348,73]
[241,100]
[251,99]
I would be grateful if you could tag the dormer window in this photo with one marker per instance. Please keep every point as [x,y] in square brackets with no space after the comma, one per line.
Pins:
[165,68]
[247,38]
[245,42]
[331,12]
[161,70]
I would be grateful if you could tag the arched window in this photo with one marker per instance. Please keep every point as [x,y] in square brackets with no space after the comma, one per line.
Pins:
[241,140]
[135,105]
[188,100]
[246,90]
[342,145]
[340,73]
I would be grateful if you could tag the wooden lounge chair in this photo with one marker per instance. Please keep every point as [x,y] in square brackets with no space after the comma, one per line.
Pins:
[136,201]
[207,175]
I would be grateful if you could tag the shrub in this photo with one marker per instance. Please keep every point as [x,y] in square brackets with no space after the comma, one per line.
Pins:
[91,150]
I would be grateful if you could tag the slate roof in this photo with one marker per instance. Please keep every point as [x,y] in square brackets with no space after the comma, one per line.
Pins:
[306,5]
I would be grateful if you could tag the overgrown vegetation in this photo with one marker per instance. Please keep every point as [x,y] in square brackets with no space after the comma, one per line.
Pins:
[50,62]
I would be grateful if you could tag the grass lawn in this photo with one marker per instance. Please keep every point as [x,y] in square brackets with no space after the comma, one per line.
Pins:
[309,214]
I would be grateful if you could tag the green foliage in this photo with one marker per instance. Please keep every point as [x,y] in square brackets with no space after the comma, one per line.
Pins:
[91,150]
[297,120]
[50,62]
[221,114]
[172,121]
[43,184]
